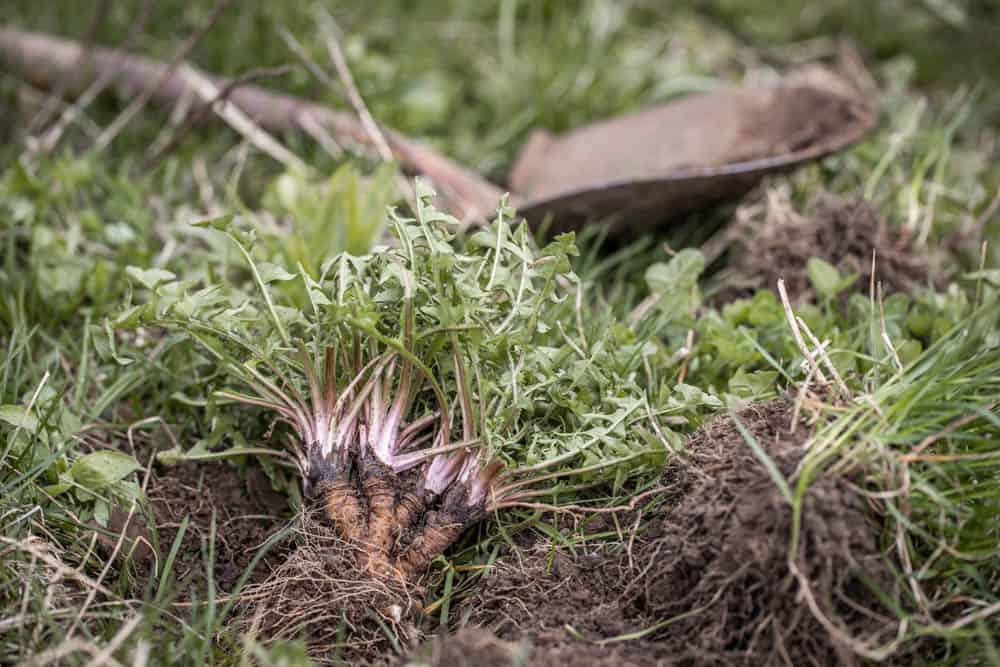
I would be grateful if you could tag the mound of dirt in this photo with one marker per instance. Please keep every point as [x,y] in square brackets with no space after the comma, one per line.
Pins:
[709,580]
[247,512]
[841,232]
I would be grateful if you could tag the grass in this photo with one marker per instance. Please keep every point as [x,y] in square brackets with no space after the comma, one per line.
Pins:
[473,79]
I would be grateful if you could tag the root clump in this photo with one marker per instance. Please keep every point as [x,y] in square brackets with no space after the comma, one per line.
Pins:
[709,581]
[391,520]
[323,594]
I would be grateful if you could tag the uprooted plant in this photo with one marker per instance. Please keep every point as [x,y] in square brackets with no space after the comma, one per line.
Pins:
[422,386]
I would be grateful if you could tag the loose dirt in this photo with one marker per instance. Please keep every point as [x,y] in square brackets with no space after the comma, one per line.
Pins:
[709,580]
[247,512]
[841,232]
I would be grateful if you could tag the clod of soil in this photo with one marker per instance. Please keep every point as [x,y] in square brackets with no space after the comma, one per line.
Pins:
[323,594]
[469,647]
[709,579]
[247,512]
[841,232]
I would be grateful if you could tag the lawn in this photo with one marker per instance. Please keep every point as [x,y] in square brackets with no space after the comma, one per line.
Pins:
[268,397]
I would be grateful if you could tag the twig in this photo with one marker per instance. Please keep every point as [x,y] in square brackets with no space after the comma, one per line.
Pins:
[825,357]
[133,109]
[239,121]
[208,106]
[61,568]
[41,58]
[104,656]
[375,136]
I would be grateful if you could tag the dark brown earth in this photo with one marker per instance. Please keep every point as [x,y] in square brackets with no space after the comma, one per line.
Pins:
[714,560]
[839,231]
[247,512]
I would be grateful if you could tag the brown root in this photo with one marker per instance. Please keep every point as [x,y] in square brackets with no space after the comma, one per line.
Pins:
[394,531]
[431,540]
[343,507]
[408,510]
[381,513]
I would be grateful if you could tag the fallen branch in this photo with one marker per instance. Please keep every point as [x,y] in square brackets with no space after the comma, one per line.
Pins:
[44,61]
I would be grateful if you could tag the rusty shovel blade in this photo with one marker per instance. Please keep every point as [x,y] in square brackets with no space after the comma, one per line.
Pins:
[638,171]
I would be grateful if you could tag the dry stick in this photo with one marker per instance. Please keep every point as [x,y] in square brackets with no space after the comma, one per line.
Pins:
[133,109]
[175,119]
[123,634]
[64,649]
[202,112]
[307,122]
[51,138]
[800,398]
[40,58]
[343,71]
[239,121]
[60,567]
[371,128]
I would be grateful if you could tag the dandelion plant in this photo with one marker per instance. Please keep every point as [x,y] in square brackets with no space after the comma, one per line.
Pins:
[424,385]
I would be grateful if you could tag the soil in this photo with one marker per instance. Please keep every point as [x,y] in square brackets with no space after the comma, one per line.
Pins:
[714,560]
[841,232]
[705,579]
[247,512]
